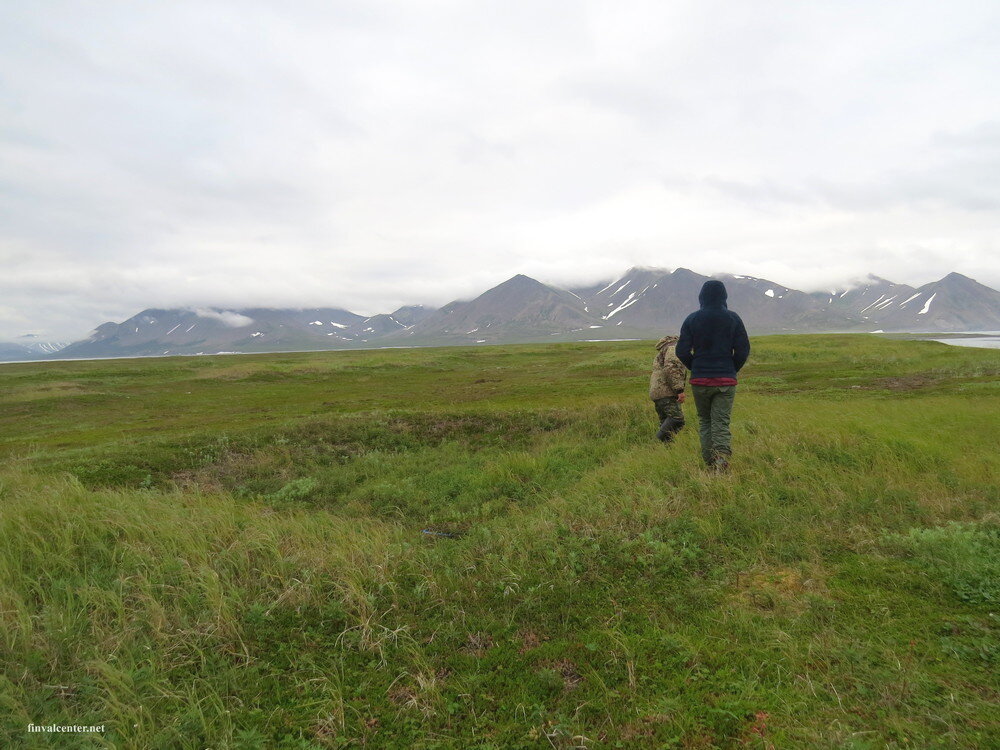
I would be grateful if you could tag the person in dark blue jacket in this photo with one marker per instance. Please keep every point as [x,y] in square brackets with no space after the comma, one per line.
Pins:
[714,345]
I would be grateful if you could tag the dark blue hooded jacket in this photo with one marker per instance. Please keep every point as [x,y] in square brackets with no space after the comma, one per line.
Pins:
[713,341]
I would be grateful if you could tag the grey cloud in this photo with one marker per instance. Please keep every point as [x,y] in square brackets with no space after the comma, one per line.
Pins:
[647,102]
[983,137]
[966,177]
[760,195]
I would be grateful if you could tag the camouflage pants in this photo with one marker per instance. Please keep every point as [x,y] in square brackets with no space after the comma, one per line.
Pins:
[715,405]
[671,417]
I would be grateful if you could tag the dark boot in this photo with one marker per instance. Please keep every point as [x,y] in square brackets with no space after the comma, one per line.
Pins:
[668,428]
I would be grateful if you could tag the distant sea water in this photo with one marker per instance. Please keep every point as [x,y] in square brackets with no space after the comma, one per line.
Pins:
[984,340]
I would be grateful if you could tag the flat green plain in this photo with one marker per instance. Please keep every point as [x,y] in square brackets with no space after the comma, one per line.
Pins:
[487,548]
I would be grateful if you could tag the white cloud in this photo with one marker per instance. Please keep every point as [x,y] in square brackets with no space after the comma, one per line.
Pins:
[368,155]
[227,317]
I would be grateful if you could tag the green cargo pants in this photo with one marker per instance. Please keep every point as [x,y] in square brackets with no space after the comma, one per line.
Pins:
[715,405]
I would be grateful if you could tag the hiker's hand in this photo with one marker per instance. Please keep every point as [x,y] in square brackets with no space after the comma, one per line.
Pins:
[680,397]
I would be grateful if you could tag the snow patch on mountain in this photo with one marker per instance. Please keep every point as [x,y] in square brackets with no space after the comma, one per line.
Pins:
[632,299]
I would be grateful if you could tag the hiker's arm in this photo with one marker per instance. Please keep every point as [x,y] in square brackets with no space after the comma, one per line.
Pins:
[683,348]
[676,374]
[741,346]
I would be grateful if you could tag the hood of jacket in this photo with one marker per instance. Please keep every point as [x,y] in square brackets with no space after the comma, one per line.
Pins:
[713,295]
[665,342]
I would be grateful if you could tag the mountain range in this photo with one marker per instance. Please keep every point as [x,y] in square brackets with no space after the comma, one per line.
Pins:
[29,346]
[643,303]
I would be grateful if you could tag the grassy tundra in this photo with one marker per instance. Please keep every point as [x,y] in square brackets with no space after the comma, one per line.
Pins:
[230,551]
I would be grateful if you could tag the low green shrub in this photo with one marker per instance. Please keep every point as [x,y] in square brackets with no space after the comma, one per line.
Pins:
[965,556]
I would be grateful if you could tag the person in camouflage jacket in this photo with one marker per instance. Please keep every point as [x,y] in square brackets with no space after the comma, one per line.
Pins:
[666,388]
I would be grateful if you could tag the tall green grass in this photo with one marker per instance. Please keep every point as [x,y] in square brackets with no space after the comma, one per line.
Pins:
[254,570]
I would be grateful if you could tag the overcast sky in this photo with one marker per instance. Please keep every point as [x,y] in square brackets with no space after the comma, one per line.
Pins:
[371,154]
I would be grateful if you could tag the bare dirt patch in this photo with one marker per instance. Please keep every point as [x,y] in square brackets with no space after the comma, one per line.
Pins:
[905,382]
[234,469]
[529,640]
[571,676]
[478,644]
[778,589]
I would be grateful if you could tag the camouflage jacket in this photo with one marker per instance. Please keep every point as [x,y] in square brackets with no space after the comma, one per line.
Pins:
[669,374]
